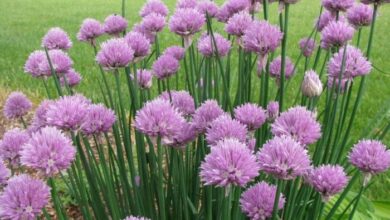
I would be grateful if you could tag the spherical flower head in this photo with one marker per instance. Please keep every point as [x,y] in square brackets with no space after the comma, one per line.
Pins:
[235,6]
[16,106]
[370,156]
[238,23]
[60,62]
[40,120]
[186,22]
[360,15]
[153,22]
[56,38]
[11,145]
[206,45]
[138,43]
[207,7]
[337,5]
[141,29]
[223,14]
[284,158]
[311,85]
[324,20]
[205,114]
[159,118]
[72,77]
[250,115]
[328,180]
[131,217]
[225,127]
[114,24]
[262,38]
[272,111]
[307,46]
[257,202]
[68,112]
[33,63]
[154,6]
[181,100]
[175,51]
[186,4]
[98,119]
[336,34]
[144,78]
[299,124]
[165,66]
[5,173]
[48,151]
[186,135]
[276,65]
[114,54]
[355,64]
[230,162]
[90,29]
[24,198]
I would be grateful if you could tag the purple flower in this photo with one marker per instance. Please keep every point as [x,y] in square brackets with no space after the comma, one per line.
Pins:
[284,158]
[138,43]
[131,217]
[328,180]
[238,23]
[250,115]
[337,5]
[11,145]
[141,29]
[186,135]
[235,6]
[181,100]
[370,156]
[68,112]
[360,15]
[207,7]
[186,4]
[23,198]
[40,120]
[311,85]
[276,65]
[114,25]
[262,38]
[154,6]
[90,29]
[33,63]
[205,114]
[223,14]
[225,127]
[298,123]
[230,162]
[60,62]
[336,34]
[186,22]
[153,22]
[165,66]
[49,151]
[72,77]
[175,51]
[355,64]
[206,45]
[56,38]
[115,53]
[324,20]
[307,46]
[257,202]
[16,106]
[341,85]
[5,173]
[144,78]
[272,111]
[159,118]
[98,119]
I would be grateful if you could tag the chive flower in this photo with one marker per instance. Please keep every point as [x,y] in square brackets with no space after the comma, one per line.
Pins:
[56,38]
[225,127]
[11,145]
[16,106]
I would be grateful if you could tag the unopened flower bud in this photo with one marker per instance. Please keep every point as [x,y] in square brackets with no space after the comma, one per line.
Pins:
[311,85]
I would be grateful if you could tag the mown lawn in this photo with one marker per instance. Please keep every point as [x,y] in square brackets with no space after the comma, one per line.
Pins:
[24,22]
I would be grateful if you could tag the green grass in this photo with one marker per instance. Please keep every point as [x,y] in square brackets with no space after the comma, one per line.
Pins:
[23,23]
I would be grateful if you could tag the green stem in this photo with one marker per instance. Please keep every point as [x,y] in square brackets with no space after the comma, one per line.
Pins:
[283,63]
[277,198]
[357,202]
[161,197]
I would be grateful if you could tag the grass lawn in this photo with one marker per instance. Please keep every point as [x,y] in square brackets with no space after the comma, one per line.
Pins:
[24,22]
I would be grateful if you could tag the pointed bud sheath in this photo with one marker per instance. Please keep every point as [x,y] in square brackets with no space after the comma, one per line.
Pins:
[311,85]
